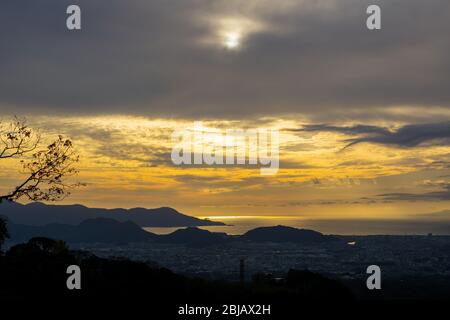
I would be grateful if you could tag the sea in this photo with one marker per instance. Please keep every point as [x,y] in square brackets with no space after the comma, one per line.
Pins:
[237,225]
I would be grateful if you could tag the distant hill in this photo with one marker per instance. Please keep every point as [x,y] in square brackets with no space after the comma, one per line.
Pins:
[112,231]
[194,236]
[91,230]
[39,214]
[285,234]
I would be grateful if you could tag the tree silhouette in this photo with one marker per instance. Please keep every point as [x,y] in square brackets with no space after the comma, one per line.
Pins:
[45,168]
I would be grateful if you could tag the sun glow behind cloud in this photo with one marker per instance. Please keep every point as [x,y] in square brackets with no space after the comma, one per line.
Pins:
[232,39]
[232,32]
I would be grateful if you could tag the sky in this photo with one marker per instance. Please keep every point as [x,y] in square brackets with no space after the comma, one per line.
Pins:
[363,115]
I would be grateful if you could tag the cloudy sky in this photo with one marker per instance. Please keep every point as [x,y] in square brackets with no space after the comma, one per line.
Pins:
[363,115]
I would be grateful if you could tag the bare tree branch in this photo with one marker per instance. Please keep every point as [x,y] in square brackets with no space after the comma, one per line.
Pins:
[45,169]
[17,139]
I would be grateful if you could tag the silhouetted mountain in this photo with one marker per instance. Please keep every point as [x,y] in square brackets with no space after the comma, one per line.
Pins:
[112,231]
[91,230]
[38,214]
[285,234]
[101,229]
[194,236]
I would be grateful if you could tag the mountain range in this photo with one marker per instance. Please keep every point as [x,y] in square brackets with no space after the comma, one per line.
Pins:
[111,231]
[77,223]
[91,230]
[39,214]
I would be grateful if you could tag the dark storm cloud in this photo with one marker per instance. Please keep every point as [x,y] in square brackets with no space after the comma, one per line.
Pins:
[146,57]
[412,135]
[406,136]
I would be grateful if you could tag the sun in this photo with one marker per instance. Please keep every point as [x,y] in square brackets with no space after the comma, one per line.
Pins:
[232,40]
[231,33]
